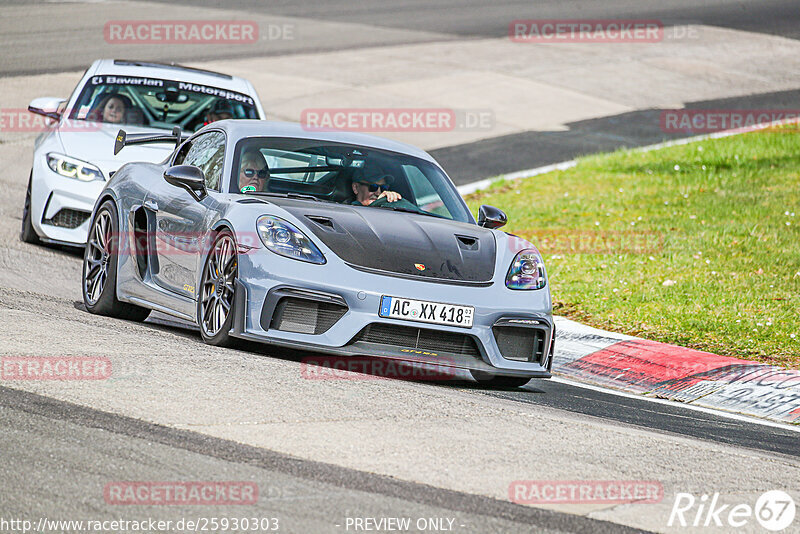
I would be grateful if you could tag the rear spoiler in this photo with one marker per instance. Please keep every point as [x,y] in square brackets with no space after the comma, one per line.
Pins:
[124,140]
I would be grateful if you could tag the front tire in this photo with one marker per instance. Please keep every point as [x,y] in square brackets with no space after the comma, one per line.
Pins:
[28,234]
[217,289]
[100,260]
[489,380]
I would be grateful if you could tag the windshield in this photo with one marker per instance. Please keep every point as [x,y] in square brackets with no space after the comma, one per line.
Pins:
[345,174]
[159,103]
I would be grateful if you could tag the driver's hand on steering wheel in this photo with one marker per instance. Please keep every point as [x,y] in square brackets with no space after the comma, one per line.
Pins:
[390,196]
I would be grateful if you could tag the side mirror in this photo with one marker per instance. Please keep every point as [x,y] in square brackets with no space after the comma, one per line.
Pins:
[188,177]
[491,217]
[47,107]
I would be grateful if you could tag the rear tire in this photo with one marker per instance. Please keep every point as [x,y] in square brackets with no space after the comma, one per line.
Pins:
[100,258]
[215,309]
[490,380]
[28,234]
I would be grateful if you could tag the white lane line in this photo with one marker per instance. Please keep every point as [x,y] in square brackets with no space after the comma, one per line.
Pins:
[466,189]
[710,411]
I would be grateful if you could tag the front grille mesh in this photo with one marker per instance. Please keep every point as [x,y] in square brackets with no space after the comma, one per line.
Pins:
[304,316]
[419,338]
[68,218]
[520,344]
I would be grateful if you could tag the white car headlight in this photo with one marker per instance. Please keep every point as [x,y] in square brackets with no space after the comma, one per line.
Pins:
[73,168]
[527,271]
[284,238]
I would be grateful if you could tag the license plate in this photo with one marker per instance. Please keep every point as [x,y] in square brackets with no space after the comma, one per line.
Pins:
[426,312]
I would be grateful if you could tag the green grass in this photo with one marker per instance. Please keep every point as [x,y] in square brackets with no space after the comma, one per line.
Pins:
[714,220]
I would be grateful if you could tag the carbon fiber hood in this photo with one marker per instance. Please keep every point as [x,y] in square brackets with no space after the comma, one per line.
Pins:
[403,243]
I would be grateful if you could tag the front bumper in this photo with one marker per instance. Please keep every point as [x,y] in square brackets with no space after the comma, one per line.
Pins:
[357,329]
[61,207]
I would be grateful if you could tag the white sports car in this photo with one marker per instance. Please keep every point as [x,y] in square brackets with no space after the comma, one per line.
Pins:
[73,159]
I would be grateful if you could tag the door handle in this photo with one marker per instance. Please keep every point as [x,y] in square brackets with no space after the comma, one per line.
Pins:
[151,204]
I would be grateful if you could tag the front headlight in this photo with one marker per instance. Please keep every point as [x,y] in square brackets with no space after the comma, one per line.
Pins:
[284,238]
[73,168]
[527,271]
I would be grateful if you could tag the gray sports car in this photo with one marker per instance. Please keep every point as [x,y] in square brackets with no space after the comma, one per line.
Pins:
[335,242]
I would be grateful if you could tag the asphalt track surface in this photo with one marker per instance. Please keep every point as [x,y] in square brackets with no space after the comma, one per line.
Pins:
[58,454]
[474,18]
[471,162]
[343,25]
[305,496]
[446,19]
[668,417]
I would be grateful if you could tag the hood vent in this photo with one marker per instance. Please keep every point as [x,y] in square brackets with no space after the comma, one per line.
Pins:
[251,201]
[467,243]
[324,222]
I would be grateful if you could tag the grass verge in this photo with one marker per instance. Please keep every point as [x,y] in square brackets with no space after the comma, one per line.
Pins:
[696,245]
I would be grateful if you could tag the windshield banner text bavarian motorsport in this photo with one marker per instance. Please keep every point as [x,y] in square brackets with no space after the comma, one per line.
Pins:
[182,86]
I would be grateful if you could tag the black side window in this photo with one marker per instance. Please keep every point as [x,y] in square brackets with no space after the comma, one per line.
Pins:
[182,153]
[207,152]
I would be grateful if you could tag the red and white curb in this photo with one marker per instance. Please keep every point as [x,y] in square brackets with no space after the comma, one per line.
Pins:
[676,373]
[664,371]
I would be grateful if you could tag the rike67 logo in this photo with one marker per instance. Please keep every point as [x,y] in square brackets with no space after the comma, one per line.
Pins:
[774,511]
